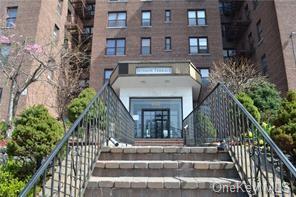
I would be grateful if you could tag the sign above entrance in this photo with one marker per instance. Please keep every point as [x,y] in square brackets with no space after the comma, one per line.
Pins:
[153,70]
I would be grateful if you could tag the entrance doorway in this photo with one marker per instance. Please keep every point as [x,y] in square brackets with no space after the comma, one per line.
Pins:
[156,123]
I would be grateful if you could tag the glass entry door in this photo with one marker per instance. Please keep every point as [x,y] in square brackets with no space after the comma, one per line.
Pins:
[156,123]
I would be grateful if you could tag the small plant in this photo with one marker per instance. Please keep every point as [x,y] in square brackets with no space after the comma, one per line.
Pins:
[266,98]
[35,135]
[10,186]
[3,129]
[77,105]
[284,133]
[248,103]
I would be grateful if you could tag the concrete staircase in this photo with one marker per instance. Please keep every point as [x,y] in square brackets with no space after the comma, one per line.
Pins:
[170,171]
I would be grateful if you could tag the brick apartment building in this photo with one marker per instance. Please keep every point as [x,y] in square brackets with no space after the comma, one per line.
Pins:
[154,30]
[263,30]
[42,21]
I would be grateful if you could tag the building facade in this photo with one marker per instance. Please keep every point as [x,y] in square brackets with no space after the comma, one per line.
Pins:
[263,31]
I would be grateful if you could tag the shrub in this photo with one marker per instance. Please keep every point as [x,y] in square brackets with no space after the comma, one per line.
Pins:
[266,98]
[248,103]
[77,105]
[10,186]
[35,135]
[284,133]
[3,129]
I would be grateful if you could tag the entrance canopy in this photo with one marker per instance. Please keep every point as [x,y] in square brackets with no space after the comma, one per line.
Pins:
[158,94]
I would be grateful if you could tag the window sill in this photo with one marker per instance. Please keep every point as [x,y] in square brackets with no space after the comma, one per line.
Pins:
[146,0]
[146,26]
[145,55]
[168,22]
[117,1]
[199,54]
[198,25]
[168,50]
[123,27]
[114,55]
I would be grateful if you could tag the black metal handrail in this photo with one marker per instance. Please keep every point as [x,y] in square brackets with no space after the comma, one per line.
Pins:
[264,168]
[67,169]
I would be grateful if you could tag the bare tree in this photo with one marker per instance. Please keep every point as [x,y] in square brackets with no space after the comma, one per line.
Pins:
[236,73]
[71,68]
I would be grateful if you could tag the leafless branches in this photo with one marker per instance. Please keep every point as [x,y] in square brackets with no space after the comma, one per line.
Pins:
[236,73]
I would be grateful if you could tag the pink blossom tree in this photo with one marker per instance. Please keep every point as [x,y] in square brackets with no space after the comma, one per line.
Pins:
[24,62]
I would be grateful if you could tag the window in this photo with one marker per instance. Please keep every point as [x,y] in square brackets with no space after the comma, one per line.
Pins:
[228,53]
[117,19]
[11,17]
[226,8]
[205,74]
[168,43]
[259,30]
[196,17]
[264,64]
[146,46]
[1,90]
[168,16]
[60,7]
[115,46]
[91,9]
[146,18]
[88,29]
[55,33]
[198,45]
[107,74]
[4,51]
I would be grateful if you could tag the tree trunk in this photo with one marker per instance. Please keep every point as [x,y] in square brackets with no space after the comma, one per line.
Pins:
[11,102]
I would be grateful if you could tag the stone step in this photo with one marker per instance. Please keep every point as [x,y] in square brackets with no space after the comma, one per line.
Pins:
[159,149]
[163,153]
[161,182]
[165,168]
[165,164]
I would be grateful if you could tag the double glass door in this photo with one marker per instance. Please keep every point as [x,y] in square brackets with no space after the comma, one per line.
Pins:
[156,123]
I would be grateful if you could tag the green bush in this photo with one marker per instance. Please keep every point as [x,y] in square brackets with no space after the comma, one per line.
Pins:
[266,98]
[284,133]
[77,105]
[36,133]
[248,103]
[3,129]
[10,186]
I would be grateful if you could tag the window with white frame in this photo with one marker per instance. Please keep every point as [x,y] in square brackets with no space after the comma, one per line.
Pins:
[115,46]
[117,19]
[196,17]
[146,46]
[198,45]
[146,18]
